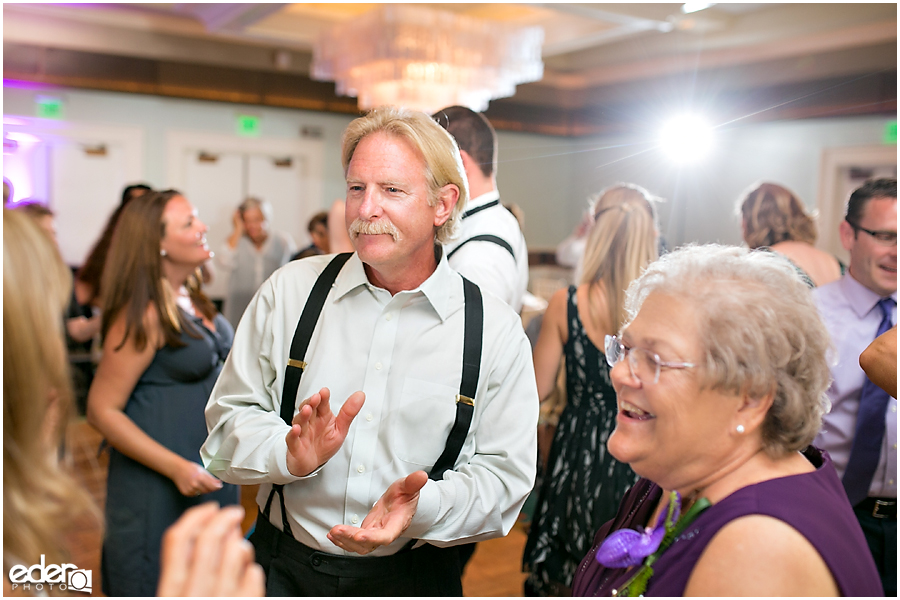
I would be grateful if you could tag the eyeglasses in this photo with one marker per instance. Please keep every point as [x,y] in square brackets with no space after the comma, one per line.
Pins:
[885,238]
[643,364]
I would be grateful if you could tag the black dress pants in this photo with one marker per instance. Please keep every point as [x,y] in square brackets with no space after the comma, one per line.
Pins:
[293,569]
[881,535]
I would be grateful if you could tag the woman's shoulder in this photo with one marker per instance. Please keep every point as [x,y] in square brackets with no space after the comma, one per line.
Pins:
[821,266]
[763,556]
[555,314]
[805,515]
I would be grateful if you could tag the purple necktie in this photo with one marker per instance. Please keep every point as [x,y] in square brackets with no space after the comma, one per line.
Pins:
[866,448]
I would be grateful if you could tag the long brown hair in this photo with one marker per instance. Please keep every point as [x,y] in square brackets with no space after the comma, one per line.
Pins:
[621,243]
[91,272]
[132,277]
[772,213]
[40,499]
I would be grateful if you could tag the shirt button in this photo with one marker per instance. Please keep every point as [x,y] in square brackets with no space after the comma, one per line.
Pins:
[890,482]
[378,366]
[387,317]
[354,519]
[369,417]
[361,468]
[893,409]
[895,446]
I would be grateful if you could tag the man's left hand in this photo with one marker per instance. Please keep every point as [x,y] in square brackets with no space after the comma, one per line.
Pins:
[389,518]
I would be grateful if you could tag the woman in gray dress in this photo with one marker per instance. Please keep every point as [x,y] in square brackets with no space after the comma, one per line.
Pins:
[164,344]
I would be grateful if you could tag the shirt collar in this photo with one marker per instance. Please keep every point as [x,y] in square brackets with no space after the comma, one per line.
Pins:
[441,289]
[861,298]
[482,199]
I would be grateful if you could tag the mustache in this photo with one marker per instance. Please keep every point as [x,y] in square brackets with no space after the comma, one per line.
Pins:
[359,226]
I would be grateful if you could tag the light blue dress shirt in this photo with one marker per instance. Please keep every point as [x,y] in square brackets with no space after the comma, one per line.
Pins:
[851,314]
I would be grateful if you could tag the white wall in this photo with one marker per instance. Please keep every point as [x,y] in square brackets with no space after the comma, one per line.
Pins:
[701,198]
[157,116]
[549,177]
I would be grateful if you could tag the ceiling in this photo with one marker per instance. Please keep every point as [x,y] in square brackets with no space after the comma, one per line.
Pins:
[607,67]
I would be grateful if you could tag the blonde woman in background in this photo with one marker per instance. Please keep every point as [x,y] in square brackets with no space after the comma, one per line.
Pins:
[204,554]
[40,499]
[584,483]
[773,218]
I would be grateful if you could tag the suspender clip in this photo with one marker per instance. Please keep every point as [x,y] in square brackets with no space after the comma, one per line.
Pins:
[293,362]
[464,400]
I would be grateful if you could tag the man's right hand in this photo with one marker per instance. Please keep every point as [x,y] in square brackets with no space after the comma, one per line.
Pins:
[316,433]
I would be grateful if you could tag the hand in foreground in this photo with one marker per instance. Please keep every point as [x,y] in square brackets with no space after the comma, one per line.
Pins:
[389,518]
[316,433]
[193,480]
[204,554]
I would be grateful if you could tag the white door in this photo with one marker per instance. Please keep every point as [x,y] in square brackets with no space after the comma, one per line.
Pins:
[86,182]
[214,184]
[282,181]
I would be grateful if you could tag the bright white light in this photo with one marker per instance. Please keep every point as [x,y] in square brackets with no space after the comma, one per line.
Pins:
[687,138]
[22,137]
[690,7]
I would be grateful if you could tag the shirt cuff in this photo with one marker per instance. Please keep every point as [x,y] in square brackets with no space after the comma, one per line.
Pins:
[427,511]
[278,469]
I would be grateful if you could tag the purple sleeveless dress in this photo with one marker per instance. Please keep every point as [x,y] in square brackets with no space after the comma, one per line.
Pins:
[814,504]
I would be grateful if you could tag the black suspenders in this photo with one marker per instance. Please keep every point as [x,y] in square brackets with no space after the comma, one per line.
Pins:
[465,400]
[472,341]
[295,366]
[485,237]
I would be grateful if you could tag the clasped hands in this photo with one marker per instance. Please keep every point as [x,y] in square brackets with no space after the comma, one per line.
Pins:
[316,435]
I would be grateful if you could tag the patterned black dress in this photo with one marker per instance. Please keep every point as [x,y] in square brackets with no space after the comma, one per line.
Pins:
[584,483]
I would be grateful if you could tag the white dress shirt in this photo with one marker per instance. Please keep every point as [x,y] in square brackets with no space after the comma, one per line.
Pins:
[405,353]
[489,265]
[851,314]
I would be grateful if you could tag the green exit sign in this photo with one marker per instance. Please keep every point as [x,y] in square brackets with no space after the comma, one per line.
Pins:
[247,125]
[49,108]
[890,132]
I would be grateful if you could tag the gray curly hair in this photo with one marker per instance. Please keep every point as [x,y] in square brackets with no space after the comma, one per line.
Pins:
[760,328]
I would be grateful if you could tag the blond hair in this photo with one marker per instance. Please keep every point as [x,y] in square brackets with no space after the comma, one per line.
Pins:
[772,214]
[39,498]
[621,243]
[760,330]
[443,164]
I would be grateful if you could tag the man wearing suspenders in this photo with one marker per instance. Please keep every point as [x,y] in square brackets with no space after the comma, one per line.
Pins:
[490,249]
[387,408]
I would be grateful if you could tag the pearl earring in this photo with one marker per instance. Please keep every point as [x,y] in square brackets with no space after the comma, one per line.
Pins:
[740,429]
[162,252]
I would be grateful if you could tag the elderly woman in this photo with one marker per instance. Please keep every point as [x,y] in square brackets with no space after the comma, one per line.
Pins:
[720,374]
[773,218]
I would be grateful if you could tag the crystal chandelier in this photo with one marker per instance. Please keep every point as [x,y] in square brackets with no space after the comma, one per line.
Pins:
[424,59]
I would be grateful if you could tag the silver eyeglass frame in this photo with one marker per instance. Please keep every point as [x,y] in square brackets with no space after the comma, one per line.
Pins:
[616,352]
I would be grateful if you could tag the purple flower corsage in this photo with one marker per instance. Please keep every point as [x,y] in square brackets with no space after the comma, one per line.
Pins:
[629,548]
